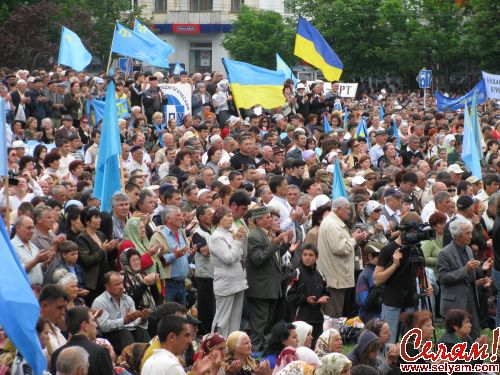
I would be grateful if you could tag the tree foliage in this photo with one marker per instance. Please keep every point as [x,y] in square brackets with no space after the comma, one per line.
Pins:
[257,35]
[31,30]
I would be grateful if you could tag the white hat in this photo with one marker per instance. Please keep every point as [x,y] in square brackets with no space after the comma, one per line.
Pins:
[201,192]
[261,171]
[18,144]
[215,138]
[31,79]
[319,201]
[358,180]
[207,78]
[472,179]
[99,80]
[277,117]
[330,168]
[455,168]
[189,134]
[300,86]
[372,206]
[383,91]
[224,180]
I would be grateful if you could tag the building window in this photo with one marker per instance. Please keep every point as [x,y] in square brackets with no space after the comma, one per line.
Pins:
[235,5]
[200,57]
[201,5]
[160,6]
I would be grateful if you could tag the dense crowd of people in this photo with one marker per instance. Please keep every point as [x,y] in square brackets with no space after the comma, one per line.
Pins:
[226,252]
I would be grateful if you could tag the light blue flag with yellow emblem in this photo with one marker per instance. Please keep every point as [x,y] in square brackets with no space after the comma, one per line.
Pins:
[72,52]
[130,43]
[178,68]
[163,47]
[107,175]
[470,154]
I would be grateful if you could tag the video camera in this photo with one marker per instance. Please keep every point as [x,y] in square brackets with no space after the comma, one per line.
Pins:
[414,233]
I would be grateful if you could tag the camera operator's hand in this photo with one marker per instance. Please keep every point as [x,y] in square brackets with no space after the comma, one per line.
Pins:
[429,291]
[396,258]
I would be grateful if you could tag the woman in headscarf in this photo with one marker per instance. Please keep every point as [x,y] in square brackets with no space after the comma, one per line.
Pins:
[334,364]
[330,341]
[239,359]
[209,343]
[290,355]
[135,231]
[366,350]
[129,361]
[304,333]
[141,288]
[221,101]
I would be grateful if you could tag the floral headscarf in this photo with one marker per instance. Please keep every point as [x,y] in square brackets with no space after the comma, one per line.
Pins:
[297,368]
[333,364]
[323,343]
[287,355]
[132,279]
[210,341]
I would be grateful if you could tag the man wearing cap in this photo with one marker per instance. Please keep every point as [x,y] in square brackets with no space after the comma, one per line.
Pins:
[65,131]
[391,214]
[368,296]
[455,173]
[336,254]
[466,210]
[153,99]
[264,274]
[55,103]
[377,151]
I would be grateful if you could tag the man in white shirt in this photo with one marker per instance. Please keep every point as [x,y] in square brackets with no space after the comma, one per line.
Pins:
[66,158]
[378,150]
[32,258]
[136,161]
[442,202]
[174,334]
[430,207]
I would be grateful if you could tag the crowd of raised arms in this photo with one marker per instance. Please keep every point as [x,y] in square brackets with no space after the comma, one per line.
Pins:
[226,251]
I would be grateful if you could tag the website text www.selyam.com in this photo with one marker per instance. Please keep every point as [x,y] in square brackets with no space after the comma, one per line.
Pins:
[450,368]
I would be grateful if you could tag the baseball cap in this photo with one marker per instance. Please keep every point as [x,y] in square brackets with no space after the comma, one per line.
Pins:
[18,144]
[464,202]
[98,80]
[301,86]
[393,192]
[455,168]
[319,201]
[373,247]
[472,179]
[358,180]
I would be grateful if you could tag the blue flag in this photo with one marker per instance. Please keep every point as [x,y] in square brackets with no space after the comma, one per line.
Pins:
[72,52]
[19,309]
[108,177]
[99,105]
[478,136]
[283,67]
[381,112]
[161,46]
[4,166]
[452,104]
[470,155]
[395,133]
[338,182]
[362,131]
[327,125]
[131,43]
[178,68]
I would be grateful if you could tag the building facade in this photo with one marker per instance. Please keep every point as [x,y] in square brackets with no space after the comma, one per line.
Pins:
[196,28]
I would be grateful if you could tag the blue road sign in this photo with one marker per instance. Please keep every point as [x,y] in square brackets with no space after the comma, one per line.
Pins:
[425,79]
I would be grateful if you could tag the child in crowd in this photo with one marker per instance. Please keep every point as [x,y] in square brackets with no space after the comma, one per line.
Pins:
[307,291]
[69,257]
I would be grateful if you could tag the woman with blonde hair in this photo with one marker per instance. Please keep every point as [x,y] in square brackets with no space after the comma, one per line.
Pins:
[239,359]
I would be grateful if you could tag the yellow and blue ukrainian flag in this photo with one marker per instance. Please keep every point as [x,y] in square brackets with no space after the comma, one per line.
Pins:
[252,85]
[311,47]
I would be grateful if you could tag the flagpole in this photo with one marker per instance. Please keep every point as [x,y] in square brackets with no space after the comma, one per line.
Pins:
[122,174]
[111,50]
[7,203]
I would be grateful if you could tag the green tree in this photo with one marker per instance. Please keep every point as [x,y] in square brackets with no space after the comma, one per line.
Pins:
[482,38]
[257,35]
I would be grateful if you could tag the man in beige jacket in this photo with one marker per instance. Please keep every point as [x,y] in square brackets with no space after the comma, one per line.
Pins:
[336,254]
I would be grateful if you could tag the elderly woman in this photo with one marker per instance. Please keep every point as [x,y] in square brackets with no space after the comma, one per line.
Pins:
[230,279]
[141,287]
[304,333]
[431,248]
[239,359]
[69,282]
[330,341]
[334,364]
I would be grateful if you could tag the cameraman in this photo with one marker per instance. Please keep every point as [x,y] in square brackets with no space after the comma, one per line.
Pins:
[396,271]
